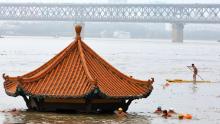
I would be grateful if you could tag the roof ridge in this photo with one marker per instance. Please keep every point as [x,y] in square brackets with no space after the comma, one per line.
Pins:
[113,68]
[47,63]
[84,61]
[51,66]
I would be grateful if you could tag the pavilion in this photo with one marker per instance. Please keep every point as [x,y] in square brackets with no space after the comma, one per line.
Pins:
[77,79]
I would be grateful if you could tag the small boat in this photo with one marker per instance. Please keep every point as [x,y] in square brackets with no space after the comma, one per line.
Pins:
[186,81]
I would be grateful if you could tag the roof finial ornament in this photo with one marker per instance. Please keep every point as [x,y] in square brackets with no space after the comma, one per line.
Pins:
[78,29]
[152,80]
[4,76]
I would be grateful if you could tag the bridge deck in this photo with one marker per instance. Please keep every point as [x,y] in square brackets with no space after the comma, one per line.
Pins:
[157,13]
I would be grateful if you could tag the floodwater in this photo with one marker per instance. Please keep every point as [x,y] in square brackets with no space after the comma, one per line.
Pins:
[142,59]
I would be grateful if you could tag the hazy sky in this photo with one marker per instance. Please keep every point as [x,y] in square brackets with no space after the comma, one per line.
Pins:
[105,1]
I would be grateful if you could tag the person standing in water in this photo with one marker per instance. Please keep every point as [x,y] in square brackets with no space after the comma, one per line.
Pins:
[195,72]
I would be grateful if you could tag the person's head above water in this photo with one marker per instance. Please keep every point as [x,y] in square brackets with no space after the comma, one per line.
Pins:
[171,110]
[165,114]
[159,108]
[164,111]
[120,109]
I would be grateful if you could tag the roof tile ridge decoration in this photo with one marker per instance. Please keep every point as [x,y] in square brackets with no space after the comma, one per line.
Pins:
[148,82]
[78,29]
[12,83]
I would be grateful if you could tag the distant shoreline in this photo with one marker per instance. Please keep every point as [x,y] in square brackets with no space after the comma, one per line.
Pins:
[108,38]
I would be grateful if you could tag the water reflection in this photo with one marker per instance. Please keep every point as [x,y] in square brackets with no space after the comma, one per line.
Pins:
[194,88]
[50,118]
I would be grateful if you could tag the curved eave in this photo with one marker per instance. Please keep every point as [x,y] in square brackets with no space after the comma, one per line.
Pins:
[9,92]
[143,95]
[15,94]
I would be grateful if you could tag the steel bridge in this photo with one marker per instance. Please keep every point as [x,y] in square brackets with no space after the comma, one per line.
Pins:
[176,14]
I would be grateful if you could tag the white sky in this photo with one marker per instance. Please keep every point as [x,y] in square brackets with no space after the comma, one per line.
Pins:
[105,1]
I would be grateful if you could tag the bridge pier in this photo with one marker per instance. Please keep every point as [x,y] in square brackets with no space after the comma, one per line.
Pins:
[177,32]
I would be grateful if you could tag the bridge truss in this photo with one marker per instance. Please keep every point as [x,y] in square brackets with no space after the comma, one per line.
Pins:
[159,13]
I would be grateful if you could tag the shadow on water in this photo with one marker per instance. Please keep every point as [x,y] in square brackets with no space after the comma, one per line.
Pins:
[38,117]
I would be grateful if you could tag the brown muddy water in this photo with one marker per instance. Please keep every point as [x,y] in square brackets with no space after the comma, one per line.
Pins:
[142,59]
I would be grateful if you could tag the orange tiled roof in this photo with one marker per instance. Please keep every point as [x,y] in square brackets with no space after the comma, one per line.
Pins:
[76,72]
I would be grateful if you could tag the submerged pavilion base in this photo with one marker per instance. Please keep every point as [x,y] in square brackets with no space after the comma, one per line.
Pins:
[78,105]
